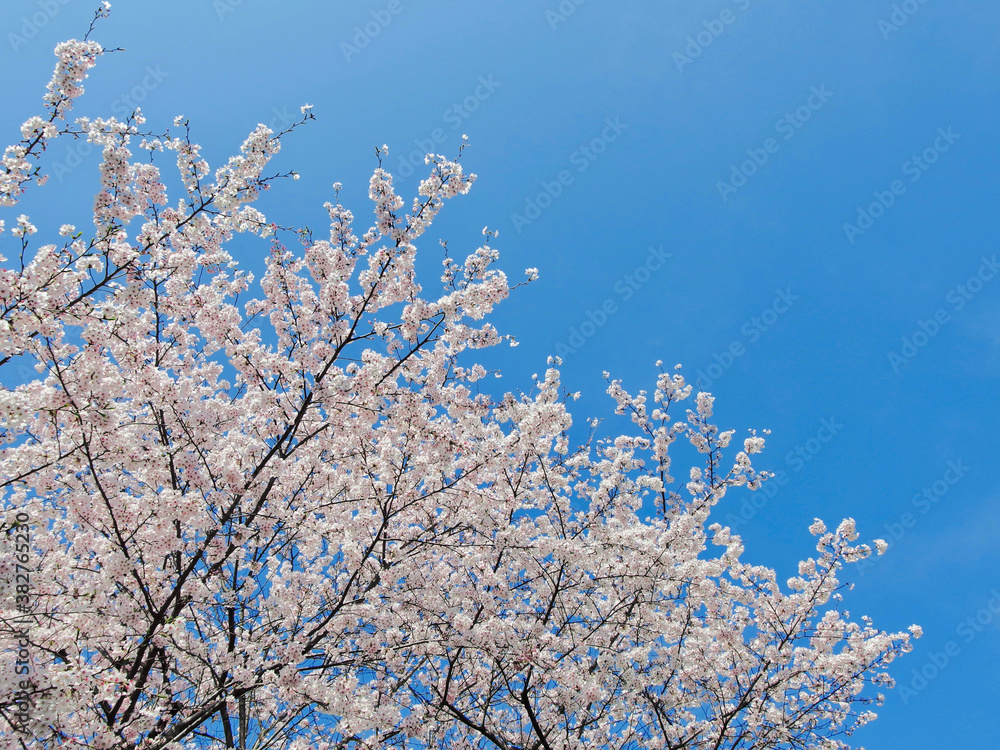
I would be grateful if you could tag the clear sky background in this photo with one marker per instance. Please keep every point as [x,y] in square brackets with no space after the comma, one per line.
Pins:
[685,170]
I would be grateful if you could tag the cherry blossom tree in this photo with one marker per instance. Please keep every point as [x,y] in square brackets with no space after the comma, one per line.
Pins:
[286,514]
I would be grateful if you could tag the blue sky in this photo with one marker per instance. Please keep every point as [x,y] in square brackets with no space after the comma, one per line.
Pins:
[792,199]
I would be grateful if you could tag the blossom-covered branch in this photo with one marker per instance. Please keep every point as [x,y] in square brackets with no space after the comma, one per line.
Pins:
[297,520]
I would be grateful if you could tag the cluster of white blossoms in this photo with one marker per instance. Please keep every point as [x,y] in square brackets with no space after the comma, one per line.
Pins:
[24,227]
[18,165]
[298,518]
[75,60]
